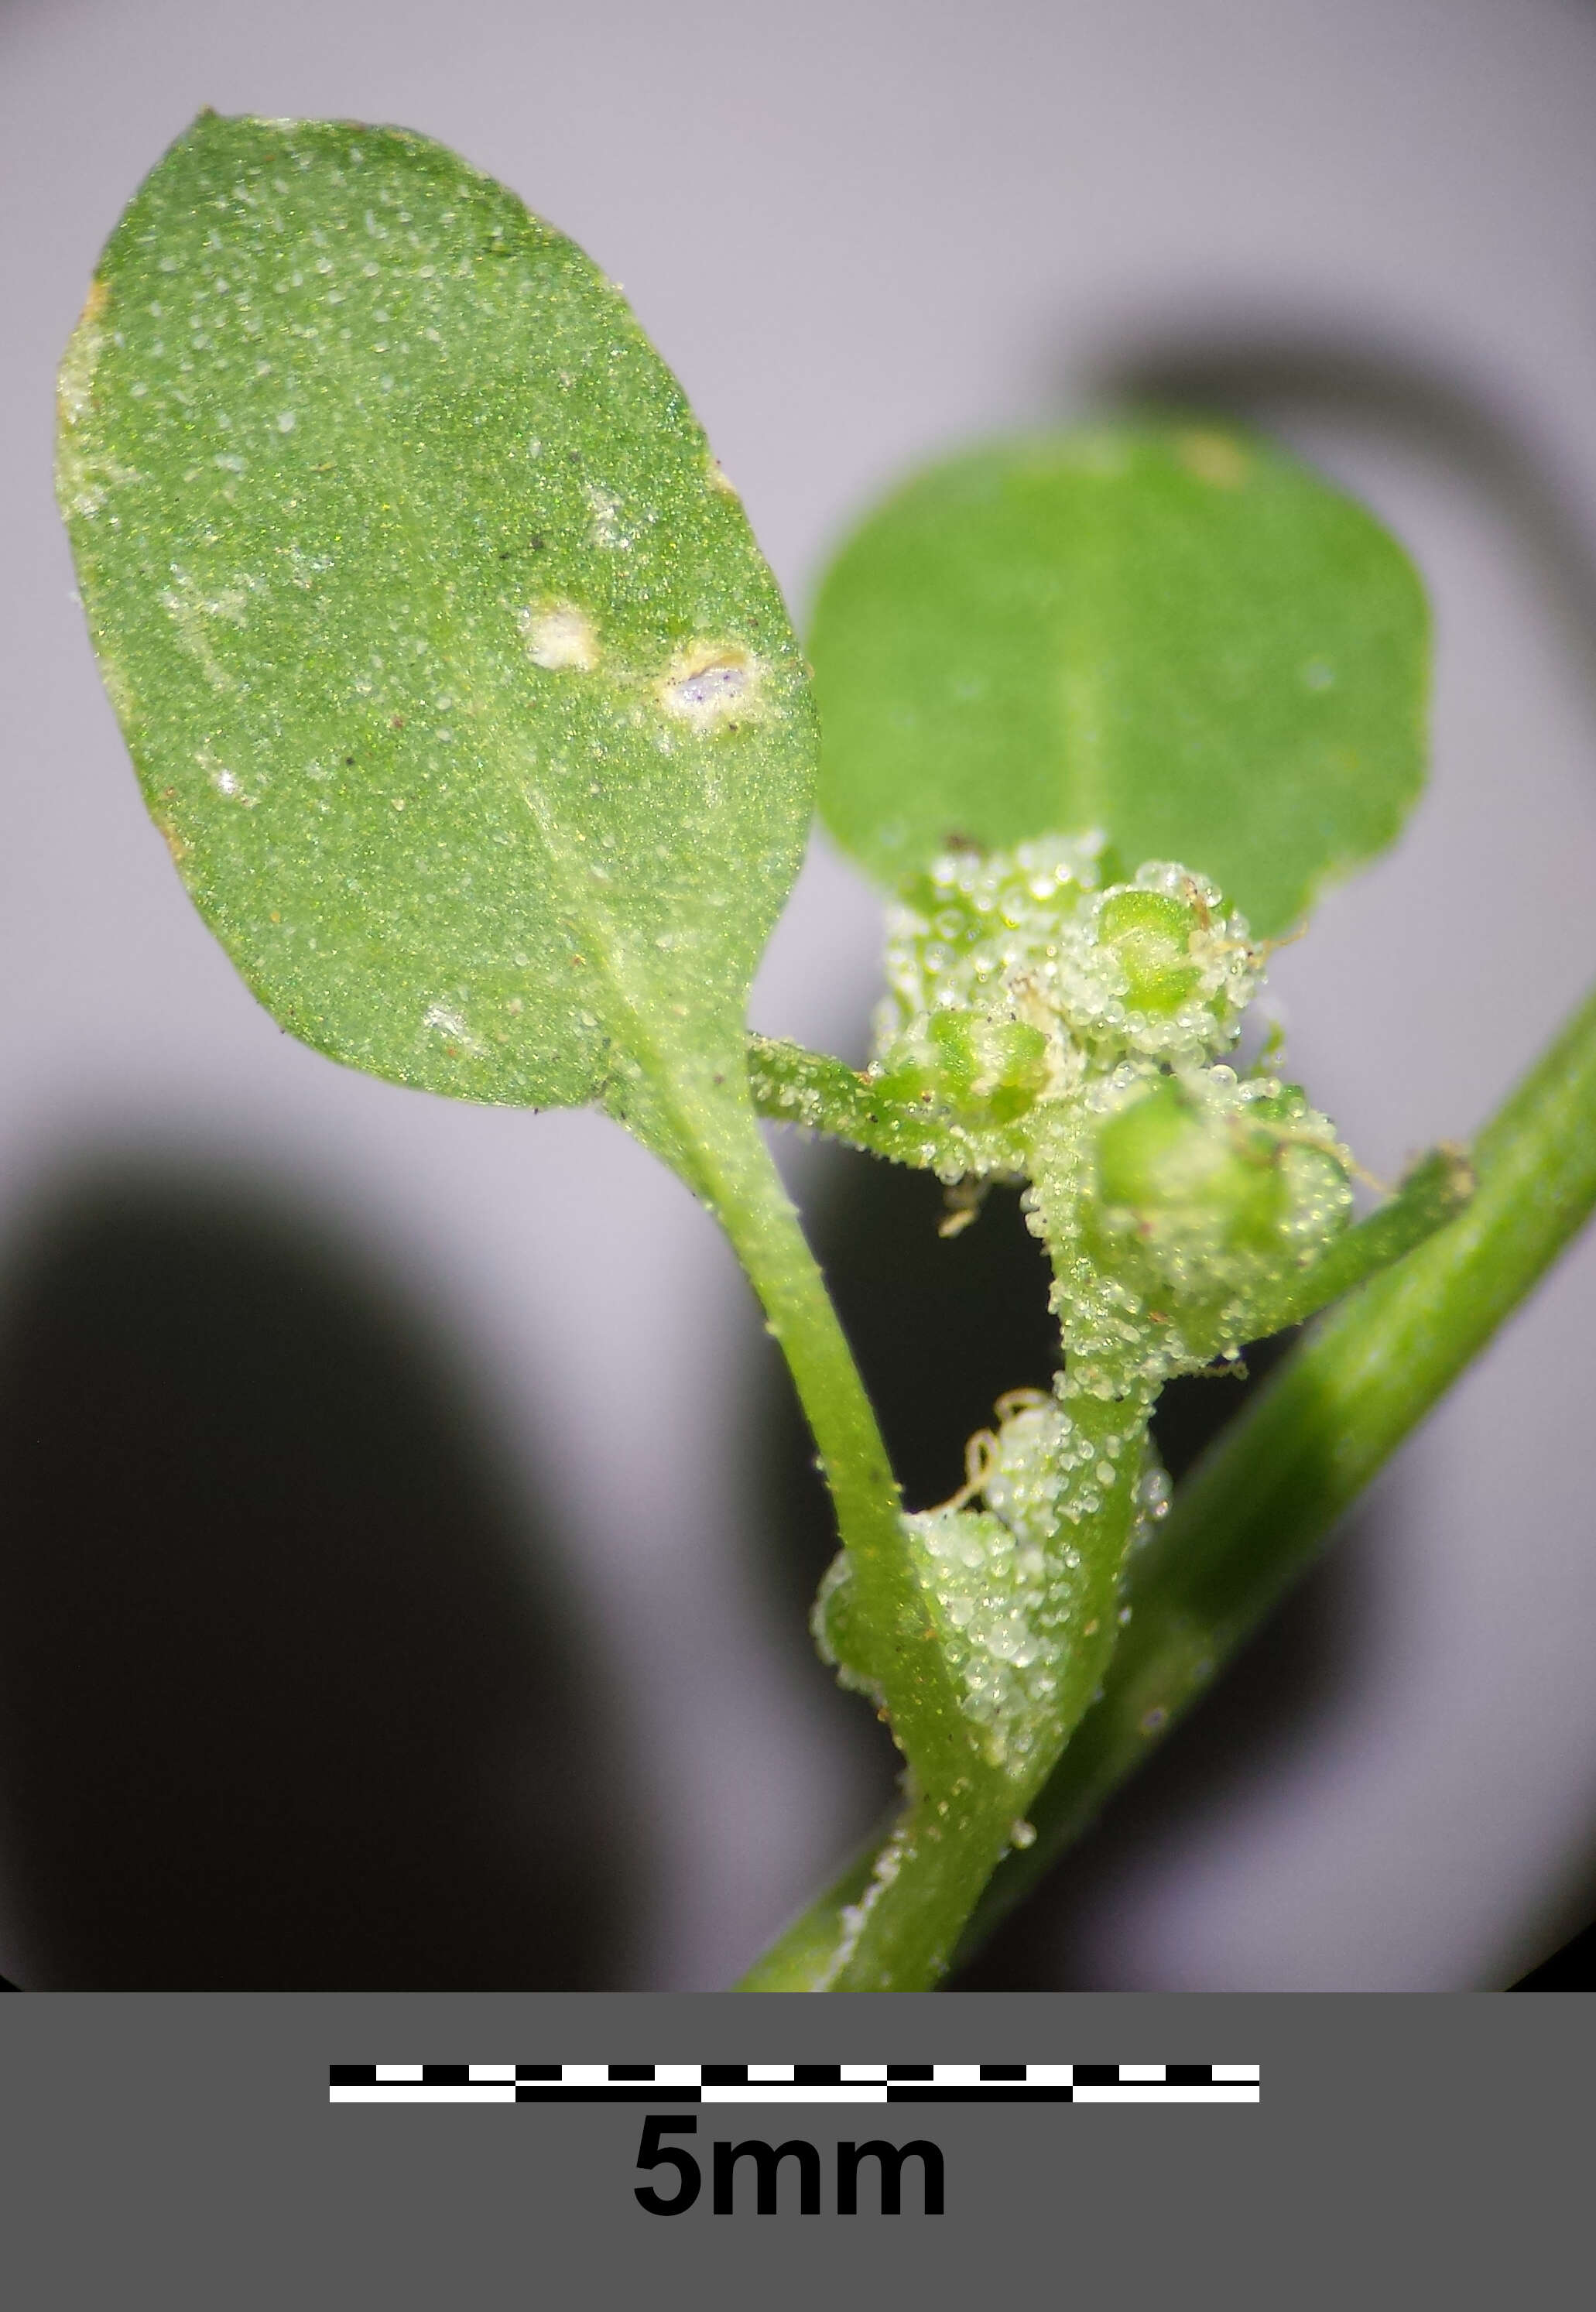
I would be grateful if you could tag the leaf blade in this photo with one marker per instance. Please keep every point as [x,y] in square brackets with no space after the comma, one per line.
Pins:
[1175,634]
[453,677]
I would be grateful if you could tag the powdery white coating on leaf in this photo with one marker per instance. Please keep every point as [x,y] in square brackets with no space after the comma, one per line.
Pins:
[78,488]
[194,614]
[443,1021]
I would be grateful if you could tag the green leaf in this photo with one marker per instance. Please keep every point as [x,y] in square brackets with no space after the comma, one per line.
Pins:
[1171,633]
[467,705]
[456,682]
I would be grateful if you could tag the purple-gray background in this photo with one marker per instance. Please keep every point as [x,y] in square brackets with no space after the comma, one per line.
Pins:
[859,232]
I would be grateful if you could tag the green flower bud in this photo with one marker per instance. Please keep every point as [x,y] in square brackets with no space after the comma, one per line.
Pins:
[1206,1188]
[1166,1154]
[987,1070]
[1151,935]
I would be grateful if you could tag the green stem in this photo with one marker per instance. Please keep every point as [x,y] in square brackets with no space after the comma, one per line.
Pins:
[1249,1518]
[791,1085]
[1434,1192]
[902,1930]
[894,1922]
[804,1955]
[709,1135]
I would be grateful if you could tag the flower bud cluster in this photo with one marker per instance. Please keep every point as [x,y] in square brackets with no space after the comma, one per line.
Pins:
[1070,1026]
[1204,1182]
[1047,1019]
[1012,974]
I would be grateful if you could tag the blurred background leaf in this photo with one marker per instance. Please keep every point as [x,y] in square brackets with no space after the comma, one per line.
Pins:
[1174,634]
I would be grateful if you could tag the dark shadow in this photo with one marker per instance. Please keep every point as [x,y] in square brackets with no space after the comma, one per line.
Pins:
[290,1696]
[941,1329]
[1558,1946]
[1571,1969]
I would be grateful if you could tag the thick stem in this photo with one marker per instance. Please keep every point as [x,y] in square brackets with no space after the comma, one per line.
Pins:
[902,1930]
[804,1956]
[894,1922]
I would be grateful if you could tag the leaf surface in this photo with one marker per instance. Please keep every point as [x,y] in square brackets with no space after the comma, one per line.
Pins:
[466,702]
[1174,634]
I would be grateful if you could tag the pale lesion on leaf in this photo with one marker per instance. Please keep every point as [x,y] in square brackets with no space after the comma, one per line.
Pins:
[712,686]
[560,637]
[82,473]
[75,380]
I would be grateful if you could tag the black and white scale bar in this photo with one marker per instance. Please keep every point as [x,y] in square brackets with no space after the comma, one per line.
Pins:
[661,2084]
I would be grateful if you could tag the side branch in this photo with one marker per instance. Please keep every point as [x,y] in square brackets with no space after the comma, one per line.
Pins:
[1436,1191]
[791,1085]
[1251,1516]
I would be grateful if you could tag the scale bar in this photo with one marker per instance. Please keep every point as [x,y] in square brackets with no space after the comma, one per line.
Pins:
[759,2084]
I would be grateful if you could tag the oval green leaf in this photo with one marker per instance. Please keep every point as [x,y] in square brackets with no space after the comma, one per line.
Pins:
[1172,634]
[468,707]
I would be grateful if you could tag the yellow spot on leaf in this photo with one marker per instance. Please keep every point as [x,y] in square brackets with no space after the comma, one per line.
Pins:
[1214,458]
